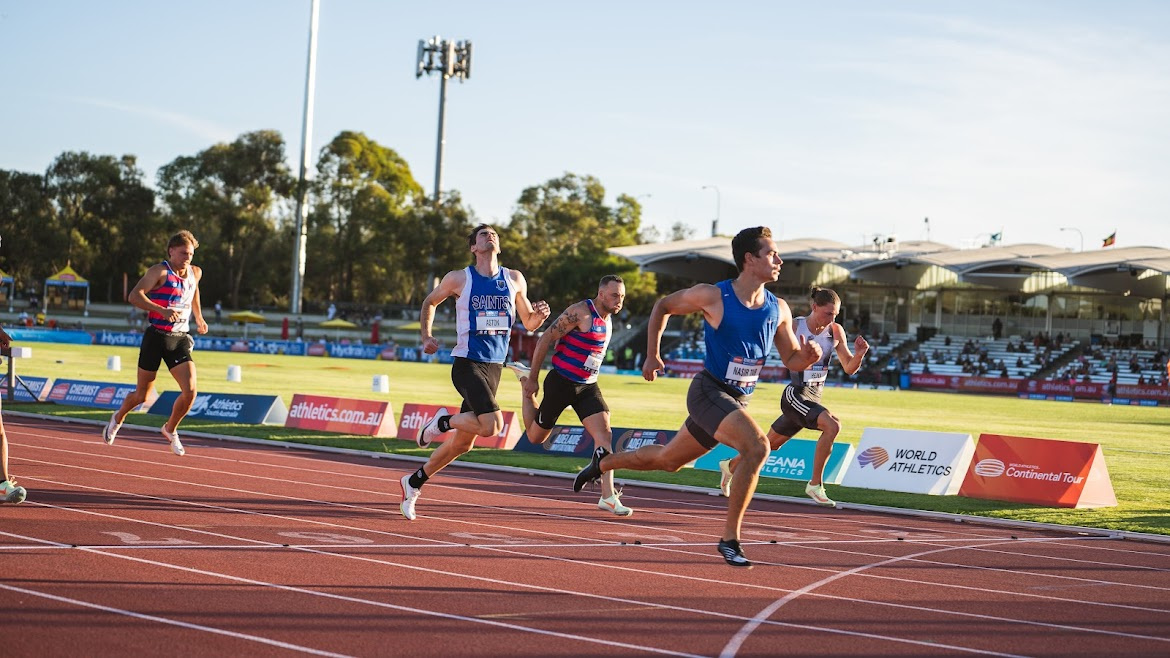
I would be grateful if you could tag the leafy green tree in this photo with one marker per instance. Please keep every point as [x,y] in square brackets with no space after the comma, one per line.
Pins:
[559,235]
[233,197]
[105,216]
[364,228]
[26,224]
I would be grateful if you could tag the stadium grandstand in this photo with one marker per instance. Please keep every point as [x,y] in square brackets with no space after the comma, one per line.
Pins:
[1018,311]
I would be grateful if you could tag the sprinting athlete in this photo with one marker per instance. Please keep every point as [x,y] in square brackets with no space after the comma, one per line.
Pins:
[800,404]
[10,491]
[581,335]
[169,293]
[488,299]
[741,320]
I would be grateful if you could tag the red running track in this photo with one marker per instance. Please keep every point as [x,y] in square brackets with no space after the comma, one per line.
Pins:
[254,550]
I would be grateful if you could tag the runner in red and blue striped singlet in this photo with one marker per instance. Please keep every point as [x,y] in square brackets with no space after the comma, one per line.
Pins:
[175,293]
[579,354]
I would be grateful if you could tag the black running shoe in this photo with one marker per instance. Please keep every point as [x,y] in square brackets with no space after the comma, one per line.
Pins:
[592,472]
[730,550]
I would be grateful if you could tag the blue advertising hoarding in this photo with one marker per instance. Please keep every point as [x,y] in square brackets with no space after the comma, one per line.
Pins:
[575,441]
[39,386]
[793,461]
[103,395]
[228,407]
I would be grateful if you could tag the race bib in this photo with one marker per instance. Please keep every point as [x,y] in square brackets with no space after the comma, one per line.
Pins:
[817,376]
[744,372]
[492,322]
[593,363]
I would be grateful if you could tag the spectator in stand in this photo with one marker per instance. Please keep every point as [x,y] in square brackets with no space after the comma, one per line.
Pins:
[996,328]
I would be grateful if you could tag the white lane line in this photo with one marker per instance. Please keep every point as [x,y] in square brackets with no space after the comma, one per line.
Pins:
[906,581]
[173,622]
[710,581]
[736,642]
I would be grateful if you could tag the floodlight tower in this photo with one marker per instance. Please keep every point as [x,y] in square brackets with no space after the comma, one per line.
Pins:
[449,59]
[301,231]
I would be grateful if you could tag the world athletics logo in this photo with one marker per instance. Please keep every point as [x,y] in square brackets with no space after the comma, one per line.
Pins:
[875,456]
[989,468]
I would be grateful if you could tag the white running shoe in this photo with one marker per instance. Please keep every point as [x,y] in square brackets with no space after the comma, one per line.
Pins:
[614,504]
[173,438]
[430,431]
[725,477]
[518,368]
[110,431]
[817,493]
[409,496]
[11,493]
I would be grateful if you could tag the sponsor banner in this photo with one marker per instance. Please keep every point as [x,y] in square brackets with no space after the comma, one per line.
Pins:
[1143,392]
[629,438]
[564,440]
[118,338]
[689,368]
[103,395]
[50,336]
[228,407]
[1039,471]
[341,415]
[910,461]
[389,353]
[214,344]
[967,384]
[414,416]
[1058,389]
[38,385]
[791,461]
[289,347]
[337,350]
[1001,385]
[575,441]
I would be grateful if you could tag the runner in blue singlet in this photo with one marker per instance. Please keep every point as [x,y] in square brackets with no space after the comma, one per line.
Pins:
[741,320]
[800,404]
[488,298]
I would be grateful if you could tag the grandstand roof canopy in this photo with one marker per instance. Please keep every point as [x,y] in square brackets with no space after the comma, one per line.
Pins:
[1140,271]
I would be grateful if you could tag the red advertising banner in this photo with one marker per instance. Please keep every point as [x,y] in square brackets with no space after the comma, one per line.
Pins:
[1147,392]
[341,415]
[414,416]
[1039,471]
[1064,387]
[1046,387]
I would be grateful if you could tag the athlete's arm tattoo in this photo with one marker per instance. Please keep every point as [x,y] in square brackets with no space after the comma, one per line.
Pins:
[566,323]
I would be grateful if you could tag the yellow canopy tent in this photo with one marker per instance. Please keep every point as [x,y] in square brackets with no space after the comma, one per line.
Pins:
[338,324]
[70,282]
[246,318]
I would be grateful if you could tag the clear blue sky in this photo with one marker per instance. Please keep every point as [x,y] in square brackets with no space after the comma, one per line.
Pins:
[834,120]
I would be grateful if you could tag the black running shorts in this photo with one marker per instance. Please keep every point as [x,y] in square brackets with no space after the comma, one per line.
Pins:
[796,412]
[709,401]
[173,347]
[559,393]
[477,382]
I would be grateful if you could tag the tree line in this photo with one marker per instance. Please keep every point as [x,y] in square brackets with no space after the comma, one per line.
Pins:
[374,237]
